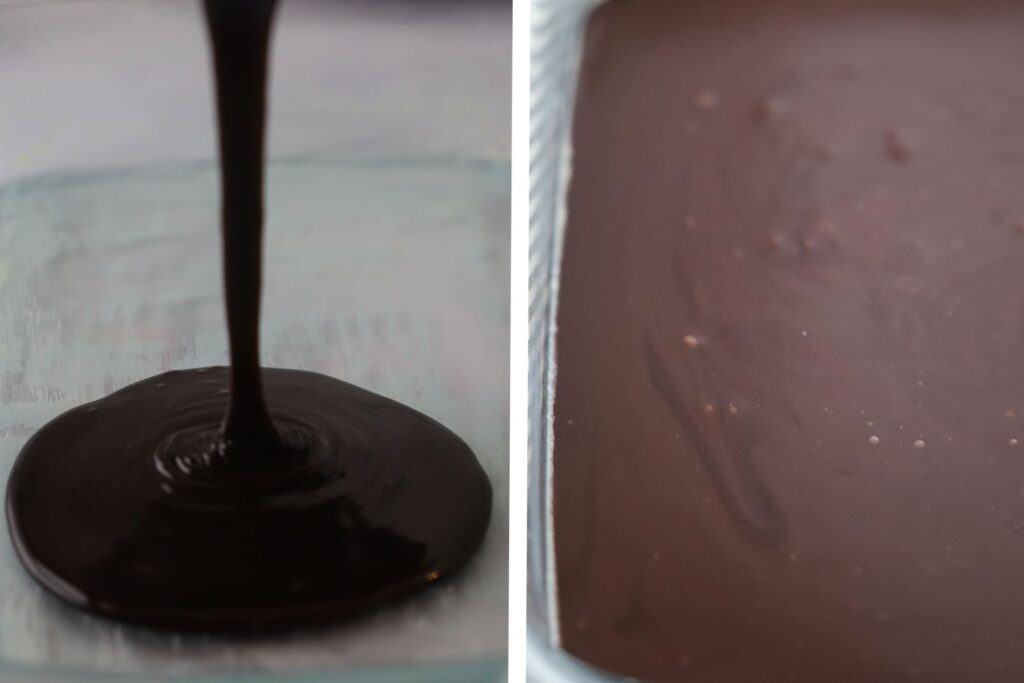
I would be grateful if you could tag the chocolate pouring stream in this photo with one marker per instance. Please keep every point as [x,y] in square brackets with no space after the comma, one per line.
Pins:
[225,497]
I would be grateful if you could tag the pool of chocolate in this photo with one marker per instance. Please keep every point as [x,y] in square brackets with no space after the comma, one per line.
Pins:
[789,408]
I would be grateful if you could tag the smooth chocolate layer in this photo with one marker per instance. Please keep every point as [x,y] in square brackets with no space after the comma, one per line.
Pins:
[789,413]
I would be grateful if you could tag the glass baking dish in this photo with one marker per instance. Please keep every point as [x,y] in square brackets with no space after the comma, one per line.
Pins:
[387,198]
[556,44]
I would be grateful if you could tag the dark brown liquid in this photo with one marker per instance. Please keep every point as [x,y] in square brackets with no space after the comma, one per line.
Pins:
[789,441]
[223,497]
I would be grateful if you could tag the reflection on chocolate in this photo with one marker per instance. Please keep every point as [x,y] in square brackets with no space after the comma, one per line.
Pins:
[791,343]
[226,497]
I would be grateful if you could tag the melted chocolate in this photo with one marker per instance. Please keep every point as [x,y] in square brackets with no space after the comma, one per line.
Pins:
[788,411]
[222,497]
